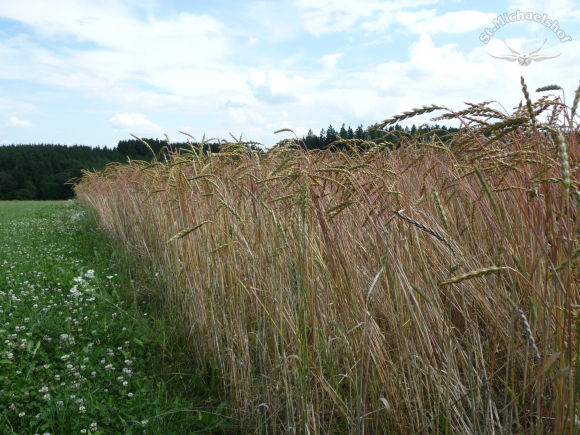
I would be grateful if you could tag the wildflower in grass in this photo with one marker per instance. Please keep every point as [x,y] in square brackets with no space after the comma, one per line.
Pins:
[110,277]
[93,427]
[90,273]
[130,395]
[43,390]
[125,383]
[46,366]
[38,416]
[22,414]
[46,397]
[83,431]
[144,422]
[59,404]
[114,315]
[94,374]
[10,355]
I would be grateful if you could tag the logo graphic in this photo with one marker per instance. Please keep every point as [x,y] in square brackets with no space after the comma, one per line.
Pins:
[525,58]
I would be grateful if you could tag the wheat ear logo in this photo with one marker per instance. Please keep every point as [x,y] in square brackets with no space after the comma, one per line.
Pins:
[525,58]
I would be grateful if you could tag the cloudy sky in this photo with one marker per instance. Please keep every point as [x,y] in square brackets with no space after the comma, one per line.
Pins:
[92,72]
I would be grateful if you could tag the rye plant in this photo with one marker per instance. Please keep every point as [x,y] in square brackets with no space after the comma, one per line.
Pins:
[304,276]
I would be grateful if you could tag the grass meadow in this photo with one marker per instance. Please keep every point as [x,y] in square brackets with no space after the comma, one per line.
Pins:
[416,287]
[83,346]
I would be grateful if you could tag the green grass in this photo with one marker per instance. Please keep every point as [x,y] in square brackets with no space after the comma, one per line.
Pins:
[102,359]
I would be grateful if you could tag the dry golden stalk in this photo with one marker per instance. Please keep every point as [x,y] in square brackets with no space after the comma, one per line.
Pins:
[474,274]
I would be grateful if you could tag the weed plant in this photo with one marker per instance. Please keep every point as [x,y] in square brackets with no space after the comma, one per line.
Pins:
[79,353]
[394,288]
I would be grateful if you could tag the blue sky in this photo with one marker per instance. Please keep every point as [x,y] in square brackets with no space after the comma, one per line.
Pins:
[92,72]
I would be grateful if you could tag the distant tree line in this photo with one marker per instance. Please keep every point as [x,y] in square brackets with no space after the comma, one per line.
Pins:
[40,171]
[392,134]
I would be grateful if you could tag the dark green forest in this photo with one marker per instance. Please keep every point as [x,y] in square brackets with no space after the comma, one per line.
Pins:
[41,171]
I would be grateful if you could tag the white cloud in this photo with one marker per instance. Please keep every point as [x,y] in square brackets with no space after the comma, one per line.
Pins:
[329,61]
[274,87]
[135,122]
[13,121]
[179,57]
[561,10]
[452,22]
[253,41]
[324,16]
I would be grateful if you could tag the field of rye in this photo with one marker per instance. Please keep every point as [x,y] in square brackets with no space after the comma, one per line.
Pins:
[394,288]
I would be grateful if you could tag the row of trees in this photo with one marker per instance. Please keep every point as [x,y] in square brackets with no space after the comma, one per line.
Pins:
[40,171]
[394,134]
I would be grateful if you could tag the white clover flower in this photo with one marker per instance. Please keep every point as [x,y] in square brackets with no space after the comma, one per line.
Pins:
[46,397]
[130,394]
[144,422]
[93,427]
[43,390]
[22,414]
[82,409]
[125,383]
[59,404]
[114,315]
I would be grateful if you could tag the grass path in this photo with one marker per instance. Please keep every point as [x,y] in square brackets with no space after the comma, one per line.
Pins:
[83,346]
